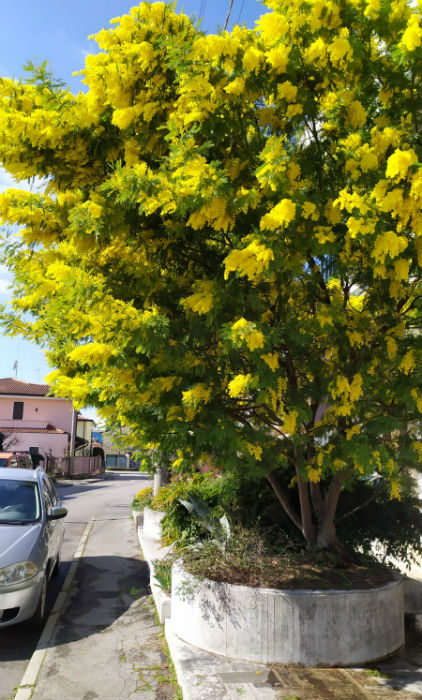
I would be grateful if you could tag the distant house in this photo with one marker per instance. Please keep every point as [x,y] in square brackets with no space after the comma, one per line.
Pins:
[33,421]
[115,454]
[84,438]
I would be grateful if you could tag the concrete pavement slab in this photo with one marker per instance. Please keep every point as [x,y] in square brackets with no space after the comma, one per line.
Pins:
[205,676]
[106,643]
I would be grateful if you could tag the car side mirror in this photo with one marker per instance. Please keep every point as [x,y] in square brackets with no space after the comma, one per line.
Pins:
[56,512]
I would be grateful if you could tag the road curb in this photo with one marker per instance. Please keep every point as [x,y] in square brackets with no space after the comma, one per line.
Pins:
[28,682]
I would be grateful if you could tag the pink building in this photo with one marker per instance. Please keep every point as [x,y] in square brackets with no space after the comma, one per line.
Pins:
[31,421]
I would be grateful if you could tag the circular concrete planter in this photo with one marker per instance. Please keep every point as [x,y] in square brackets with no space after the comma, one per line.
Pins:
[152,523]
[314,628]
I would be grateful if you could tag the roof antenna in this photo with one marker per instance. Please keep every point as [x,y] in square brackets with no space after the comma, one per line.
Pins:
[15,367]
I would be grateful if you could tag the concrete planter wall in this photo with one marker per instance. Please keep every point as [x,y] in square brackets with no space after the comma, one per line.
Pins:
[152,523]
[314,628]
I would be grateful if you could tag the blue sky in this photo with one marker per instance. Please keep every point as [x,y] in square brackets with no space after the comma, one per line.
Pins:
[57,31]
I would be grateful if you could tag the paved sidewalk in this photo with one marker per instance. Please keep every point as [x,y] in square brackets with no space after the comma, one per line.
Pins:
[106,643]
[205,676]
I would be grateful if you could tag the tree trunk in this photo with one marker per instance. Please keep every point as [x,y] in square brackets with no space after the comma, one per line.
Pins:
[326,535]
[161,478]
[317,513]
[308,528]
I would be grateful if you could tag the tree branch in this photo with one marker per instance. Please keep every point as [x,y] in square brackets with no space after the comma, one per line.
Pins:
[282,497]
[361,505]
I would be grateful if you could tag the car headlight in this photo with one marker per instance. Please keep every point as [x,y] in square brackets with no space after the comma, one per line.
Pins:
[16,573]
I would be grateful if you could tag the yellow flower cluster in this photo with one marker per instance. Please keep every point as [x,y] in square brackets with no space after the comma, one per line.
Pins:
[239,385]
[290,423]
[399,163]
[271,359]
[354,430]
[280,216]
[243,331]
[412,37]
[408,363]
[340,52]
[251,261]
[193,398]
[254,450]
[388,243]
[349,392]
[314,475]
[214,213]
[202,300]
[92,353]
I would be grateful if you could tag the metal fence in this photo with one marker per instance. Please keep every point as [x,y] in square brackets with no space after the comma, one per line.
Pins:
[75,466]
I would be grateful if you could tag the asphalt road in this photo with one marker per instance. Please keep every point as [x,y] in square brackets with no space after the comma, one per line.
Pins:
[84,500]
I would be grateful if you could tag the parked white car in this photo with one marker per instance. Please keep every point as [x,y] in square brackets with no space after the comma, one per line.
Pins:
[31,535]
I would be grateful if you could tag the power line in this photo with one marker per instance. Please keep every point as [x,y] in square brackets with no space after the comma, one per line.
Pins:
[202,8]
[241,10]
[228,15]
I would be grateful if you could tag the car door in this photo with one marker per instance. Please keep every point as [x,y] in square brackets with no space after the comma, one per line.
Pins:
[51,531]
[58,532]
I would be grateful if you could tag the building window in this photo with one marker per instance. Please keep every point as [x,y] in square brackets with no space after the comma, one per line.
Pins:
[18,410]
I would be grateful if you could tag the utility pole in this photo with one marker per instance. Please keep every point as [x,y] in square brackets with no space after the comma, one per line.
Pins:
[73,432]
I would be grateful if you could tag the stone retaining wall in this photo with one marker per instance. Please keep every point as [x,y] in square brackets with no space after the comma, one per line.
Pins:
[314,628]
[152,523]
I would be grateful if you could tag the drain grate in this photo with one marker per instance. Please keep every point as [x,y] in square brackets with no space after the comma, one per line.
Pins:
[257,678]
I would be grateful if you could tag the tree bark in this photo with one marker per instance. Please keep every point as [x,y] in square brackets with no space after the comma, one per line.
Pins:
[317,501]
[327,535]
[161,478]
[308,528]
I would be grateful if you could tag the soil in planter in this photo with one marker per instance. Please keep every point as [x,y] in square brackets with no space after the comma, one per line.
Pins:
[249,561]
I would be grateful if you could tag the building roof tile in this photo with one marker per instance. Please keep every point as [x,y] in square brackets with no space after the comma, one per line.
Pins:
[15,387]
[50,430]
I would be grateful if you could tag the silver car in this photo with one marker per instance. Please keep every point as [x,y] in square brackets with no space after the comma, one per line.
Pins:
[31,535]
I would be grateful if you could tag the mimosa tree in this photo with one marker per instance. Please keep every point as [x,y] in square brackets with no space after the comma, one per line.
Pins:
[227,257]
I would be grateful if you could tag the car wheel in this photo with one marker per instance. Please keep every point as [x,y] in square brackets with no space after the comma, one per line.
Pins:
[39,614]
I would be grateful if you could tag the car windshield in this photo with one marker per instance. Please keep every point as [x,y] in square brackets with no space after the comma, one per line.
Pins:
[19,502]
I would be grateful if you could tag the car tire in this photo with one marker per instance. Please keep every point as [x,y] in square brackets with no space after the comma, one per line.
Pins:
[39,614]
[56,567]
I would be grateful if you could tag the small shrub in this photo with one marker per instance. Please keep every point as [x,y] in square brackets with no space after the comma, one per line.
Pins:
[162,572]
[177,524]
[142,499]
